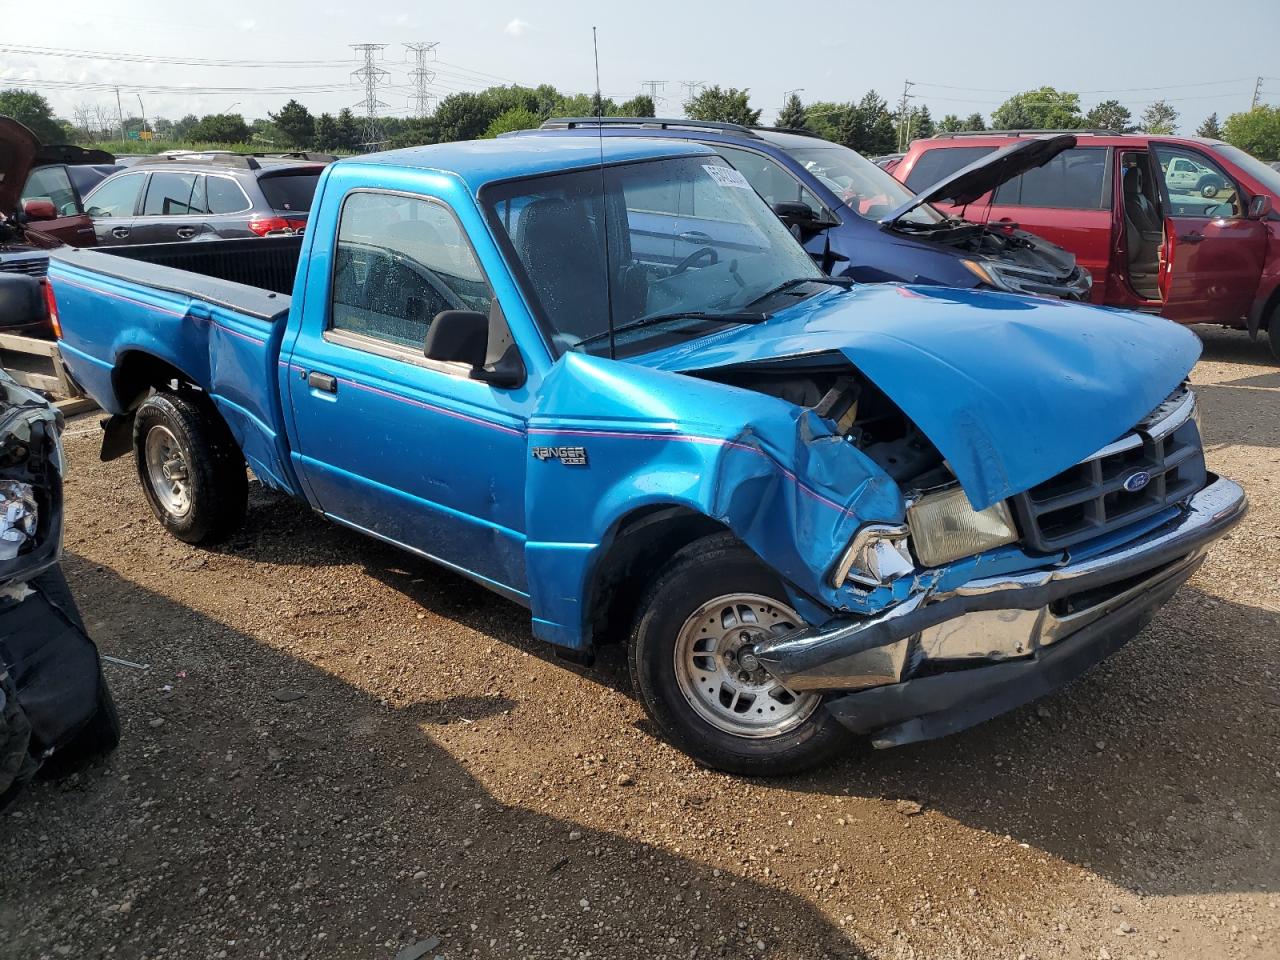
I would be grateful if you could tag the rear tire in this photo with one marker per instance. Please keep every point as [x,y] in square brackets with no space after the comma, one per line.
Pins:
[1273,331]
[191,470]
[710,603]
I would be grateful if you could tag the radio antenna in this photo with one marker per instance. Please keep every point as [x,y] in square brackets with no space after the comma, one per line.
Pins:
[604,199]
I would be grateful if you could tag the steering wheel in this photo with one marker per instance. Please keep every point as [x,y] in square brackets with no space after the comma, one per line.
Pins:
[707,253]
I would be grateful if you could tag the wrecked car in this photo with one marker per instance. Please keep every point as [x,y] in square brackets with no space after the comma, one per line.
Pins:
[41,196]
[856,220]
[56,713]
[811,509]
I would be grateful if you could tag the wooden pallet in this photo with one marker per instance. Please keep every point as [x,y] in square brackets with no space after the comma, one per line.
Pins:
[37,364]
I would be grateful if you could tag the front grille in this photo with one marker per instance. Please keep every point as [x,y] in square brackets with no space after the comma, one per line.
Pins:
[1091,499]
[31,266]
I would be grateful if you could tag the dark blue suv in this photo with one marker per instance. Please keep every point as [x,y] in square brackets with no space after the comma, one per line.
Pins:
[857,220]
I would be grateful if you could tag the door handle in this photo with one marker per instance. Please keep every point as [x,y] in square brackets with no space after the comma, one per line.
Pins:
[186,233]
[1192,237]
[120,232]
[322,381]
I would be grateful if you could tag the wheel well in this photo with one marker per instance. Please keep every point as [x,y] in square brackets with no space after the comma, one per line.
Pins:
[136,373]
[642,543]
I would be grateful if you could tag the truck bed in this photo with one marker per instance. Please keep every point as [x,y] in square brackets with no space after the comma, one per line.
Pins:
[215,311]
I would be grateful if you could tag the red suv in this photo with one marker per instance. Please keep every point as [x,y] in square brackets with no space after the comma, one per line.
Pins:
[1181,226]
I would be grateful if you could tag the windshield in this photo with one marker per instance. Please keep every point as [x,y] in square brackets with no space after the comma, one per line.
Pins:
[865,188]
[685,236]
[1265,175]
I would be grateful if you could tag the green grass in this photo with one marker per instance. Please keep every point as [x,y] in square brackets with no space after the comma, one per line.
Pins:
[135,147]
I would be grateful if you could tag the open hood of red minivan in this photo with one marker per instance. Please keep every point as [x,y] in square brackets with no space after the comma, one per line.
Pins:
[18,149]
[986,173]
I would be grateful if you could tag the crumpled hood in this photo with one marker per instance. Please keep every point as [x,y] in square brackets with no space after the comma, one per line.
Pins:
[986,173]
[18,149]
[1010,389]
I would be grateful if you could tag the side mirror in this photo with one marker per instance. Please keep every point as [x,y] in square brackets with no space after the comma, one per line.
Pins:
[1260,207]
[40,210]
[796,214]
[462,336]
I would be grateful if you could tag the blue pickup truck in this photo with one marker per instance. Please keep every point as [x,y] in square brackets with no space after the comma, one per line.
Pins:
[604,380]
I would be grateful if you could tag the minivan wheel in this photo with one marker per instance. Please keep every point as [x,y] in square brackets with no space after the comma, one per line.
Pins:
[191,470]
[692,664]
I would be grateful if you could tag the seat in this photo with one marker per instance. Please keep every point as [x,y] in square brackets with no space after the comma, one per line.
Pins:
[1143,233]
[564,258]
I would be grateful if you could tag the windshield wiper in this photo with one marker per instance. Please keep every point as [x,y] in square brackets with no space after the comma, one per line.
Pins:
[845,282]
[738,317]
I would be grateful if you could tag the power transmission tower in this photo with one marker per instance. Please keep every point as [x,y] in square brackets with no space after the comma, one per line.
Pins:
[651,87]
[691,88]
[421,76]
[1257,94]
[904,120]
[370,75]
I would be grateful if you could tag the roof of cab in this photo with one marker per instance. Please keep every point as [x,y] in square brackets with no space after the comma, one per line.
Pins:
[478,162]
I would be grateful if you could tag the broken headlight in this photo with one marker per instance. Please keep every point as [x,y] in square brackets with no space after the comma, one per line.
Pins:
[878,554]
[944,527]
[18,517]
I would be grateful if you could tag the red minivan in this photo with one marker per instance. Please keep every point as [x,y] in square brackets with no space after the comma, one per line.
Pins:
[1181,226]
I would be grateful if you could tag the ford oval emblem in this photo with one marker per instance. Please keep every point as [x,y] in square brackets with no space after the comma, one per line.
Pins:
[1136,481]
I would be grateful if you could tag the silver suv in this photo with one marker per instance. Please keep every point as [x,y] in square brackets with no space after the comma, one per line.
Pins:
[205,196]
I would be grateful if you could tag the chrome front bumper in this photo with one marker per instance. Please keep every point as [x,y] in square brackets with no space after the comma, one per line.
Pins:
[1007,619]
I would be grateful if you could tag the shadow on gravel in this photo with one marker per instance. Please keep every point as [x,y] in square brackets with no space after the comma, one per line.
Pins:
[1155,770]
[261,806]
[1179,798]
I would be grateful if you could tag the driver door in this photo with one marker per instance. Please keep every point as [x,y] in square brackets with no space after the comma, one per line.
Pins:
[1212,257]
[411,450]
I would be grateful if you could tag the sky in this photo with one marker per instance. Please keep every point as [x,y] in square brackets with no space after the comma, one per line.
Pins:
[962,57]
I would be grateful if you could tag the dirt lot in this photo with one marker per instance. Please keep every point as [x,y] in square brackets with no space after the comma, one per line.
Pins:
[338,751]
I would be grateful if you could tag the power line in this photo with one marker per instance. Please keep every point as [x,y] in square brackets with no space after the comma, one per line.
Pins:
[148,58]
[422,97]
[370,74]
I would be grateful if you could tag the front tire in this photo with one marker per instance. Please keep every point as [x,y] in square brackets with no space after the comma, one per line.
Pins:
[1273,331]
[191,470]
[1209,189]
[691,665]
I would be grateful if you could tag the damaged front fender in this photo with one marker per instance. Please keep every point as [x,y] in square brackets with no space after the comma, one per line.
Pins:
[774,473]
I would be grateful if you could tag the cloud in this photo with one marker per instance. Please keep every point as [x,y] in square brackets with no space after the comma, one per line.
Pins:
[516,28]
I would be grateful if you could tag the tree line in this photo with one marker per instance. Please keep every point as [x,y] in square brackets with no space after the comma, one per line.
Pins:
[869,125]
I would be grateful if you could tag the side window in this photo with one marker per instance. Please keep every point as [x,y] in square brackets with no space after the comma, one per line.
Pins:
[1073,180]
[224,195]
[1197,187]
[115,197]
[51,183]
[770,179]
[169,195]
[400,261]
[940,163]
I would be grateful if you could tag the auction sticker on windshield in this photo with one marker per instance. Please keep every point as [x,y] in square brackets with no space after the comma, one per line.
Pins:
[726,176]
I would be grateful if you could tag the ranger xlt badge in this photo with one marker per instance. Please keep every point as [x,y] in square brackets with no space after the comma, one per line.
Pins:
[570,456]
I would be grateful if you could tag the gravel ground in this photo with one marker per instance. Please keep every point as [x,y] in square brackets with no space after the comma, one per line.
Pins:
[338,751]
